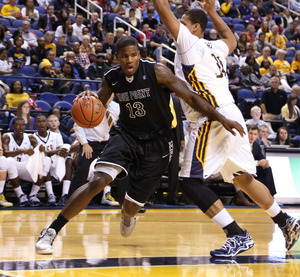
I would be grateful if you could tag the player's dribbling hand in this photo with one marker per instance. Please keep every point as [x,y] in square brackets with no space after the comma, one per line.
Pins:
[229,125]
[86,94]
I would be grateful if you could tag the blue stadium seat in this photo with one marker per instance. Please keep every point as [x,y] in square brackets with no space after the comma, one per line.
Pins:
[291,53]
[59,60]
[17,23]
[37,32]
[12,29]
[63,104]
[289,59]
[43,105]
[237,21]
[49,98]
[28,70]
[245,93]
[237,2]
[40,10]
[288,44]
[274,57]
[69,98]
[34,25]
[227,20]
[298,46]
[6,22]
[297,76]
[239,27]
[209,25]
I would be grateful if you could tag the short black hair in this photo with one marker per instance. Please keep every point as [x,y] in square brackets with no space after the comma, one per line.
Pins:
[40,115]
[16,119]
[253,127]
[126,41]
[197,16]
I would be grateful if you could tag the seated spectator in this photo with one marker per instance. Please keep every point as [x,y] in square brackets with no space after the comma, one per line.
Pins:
[4,89]
[266,54]
[44,85]
[98,31]
[261,43]
[242,43]
[250,33]
[10,10]
[291,113]
[156,40]
[121,6]
[62,15]
[244,8]
[287,18]
[234,80]
[59,5]
[28,36]
[295,67]
[62,29]
[264,28]
[17,55]
[254,18]
[78,26]
[38,53]
[5,66]
[78,70]
[253,65]
[85,46]
[98,49]
[49,44]
[90,23]
[29,12]
[23,111]
[16,95]
[281,63]
[4,43]
[120,32]
[70,37]
[62,46]
[43,4]
[50,56]
[273,100]
[249,80]
[255,114]
[279,39]
[81,58]
[229,9]
[137,10]
[47,22]
[264,67]
[18,33]
[109,47]
[212,34]
[271,5]
[292,33]
[263,135]
[68,73]
[179,11]
[97,69]
[282,137]
[133,21]
[263,170]
[152,22]
[147,32]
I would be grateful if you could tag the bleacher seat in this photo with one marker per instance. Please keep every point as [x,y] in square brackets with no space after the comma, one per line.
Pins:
[239,27]
[12,29]
[289,59]
[49,98]
[59,60]
[298,46]
[40,10]
[63,104]
[245,94]
[227,20]
[274,57]
[288,44]
[291,53]
[209,25]
[237,2]
[34,25]
[28,70]
[5,21]
[37,32]
[69,98]
[43,105]
[237,21]
[297,76]
[17,23]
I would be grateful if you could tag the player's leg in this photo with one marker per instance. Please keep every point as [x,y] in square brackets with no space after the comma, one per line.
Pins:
[66,181]
[260,194]
[3,173]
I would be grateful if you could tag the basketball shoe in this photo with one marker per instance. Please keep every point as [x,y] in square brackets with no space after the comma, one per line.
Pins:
[44,242]
[291,231]
[23,201]
[34,201]
[4,203]
[234,245]
[127,225]
[109,200]
[51,200]
[63,200]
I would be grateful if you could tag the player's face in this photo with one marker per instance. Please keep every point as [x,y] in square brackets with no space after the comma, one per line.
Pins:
[41,123]
[19,127]
[129,59]
[185,21]
[53,123]
[252,134]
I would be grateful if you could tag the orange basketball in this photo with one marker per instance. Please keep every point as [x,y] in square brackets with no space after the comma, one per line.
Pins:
[88,112]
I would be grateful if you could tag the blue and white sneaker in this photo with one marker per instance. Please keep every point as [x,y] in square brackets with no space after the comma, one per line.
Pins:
[291,231]
[234,245]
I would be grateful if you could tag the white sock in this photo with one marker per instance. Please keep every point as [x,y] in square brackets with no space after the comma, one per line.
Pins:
[34,190]
[49,188]
[66,187]
[2,184]
[273,210]
[18,191]
[223,218]
[105,191]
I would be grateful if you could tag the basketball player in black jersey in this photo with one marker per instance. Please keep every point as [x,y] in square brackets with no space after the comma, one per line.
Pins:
[141,144]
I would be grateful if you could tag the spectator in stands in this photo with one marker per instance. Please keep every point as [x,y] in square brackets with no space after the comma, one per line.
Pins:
[98,49]
[81,58]
[249,80]
[23,111]
[290,112]
[85,46]
[195,5]
[120,32]
[5,66]
[179,11]
[282,137]
[147,32]
[137,10]
[78,26]
[38,53]
[98,31]
[266,55]
[292,33]
[90,23]
[242,43]
[273,100]
[263,170]
[271,5]
[17,54]
[16,95]
[244,8]
[253,65]
[70,37]
[4,89]
[264,67]
[295,67]
[28,36]
[133,21]
[287,18]
[121,6]
[261,43]
[62,46]
[156,40]
[78,70]
[61,16]
[263,135]
[59,5]
[264,28]
[281,63]
[212,34]
[254,18]
[279,39]
[152,22]
[49,44]
[4,43]
[10,10]
[250,33]
[62,29]
[97,69]
[47,22]
[229,9]
[29,12]
[109,47]
[44,85]
[50,55]
[234,80]
[67,72]
[43,4]
[260,8]
[106,9]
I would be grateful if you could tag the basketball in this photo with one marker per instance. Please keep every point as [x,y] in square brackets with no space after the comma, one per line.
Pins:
[88,112]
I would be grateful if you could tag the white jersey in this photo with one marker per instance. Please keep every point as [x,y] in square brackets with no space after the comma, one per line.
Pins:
[13,146]
[202,64]
[51,142]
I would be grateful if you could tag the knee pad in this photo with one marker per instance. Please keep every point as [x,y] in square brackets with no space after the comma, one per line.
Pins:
[199,193]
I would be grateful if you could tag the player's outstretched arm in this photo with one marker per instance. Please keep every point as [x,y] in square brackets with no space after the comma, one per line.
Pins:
[166,78]
[167,17]
[223,30]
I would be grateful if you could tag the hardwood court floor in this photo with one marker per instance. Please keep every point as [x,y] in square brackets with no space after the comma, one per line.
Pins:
[166,242]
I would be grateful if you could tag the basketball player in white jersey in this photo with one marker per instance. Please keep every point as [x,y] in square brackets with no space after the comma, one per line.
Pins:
[53,143]
[18,146]
[211,148]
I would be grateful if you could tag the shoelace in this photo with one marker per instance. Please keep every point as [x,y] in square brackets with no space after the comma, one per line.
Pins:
[48,236]
[229,243]
[127,220]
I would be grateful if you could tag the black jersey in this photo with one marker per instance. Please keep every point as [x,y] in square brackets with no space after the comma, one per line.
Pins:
[144,104]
